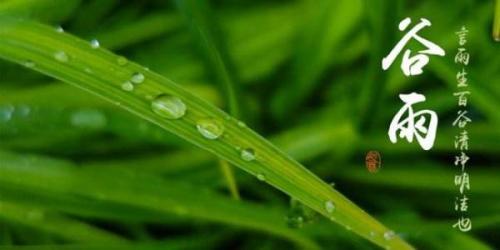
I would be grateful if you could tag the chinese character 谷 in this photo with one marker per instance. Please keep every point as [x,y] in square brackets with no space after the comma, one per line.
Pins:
[412,65]
[413,124]
[461,119]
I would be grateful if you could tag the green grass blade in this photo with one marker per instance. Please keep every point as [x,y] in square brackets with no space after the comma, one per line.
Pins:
[103,73]
[316,50]
[43,10]
[496,22]
[52,223]
[205,29]
[52,180]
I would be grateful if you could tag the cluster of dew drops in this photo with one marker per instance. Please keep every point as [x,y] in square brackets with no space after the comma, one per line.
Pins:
[173,108]
[164,105]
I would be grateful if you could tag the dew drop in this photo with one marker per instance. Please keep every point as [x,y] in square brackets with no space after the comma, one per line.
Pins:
[61,56]
[29,64]
[88,118]
[210,128]
[329,207]
[261,177]
[59,29]
[294,221]
[127,86]
[94,43]
[168,106]
[389,235]
[137,78]
[248,154]
[241,124]
[6,113]
[122,61]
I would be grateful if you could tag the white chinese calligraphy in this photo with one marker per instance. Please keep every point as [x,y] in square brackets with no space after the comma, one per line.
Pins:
[412,65]
[413,124]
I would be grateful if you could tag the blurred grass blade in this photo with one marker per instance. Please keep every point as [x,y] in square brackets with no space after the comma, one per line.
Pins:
[496,21]
[148,27]
[74,61]
[42,10]
[53,223]
[155,198]
[227,172]
[205,32]
[328,23]
[381,17]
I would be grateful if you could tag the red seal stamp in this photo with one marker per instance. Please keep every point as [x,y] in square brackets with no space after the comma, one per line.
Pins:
[373,161]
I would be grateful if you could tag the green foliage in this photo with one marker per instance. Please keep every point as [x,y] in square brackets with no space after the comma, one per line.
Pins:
[131,161]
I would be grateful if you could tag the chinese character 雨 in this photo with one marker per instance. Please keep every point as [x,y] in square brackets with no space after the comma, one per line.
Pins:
[463,224]
[412,65]
[413,124]
[462,56]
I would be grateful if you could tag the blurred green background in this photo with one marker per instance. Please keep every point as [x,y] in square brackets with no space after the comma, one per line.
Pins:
[308,77]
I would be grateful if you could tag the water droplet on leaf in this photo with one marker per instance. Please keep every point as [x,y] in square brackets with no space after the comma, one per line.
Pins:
[261,177]
[137,78]
[329,207]
[210,128]
[61,56]
[168,106]
[127,86]
[389,235]
[94,44]
[29,64]
[122,61]
[248,154]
